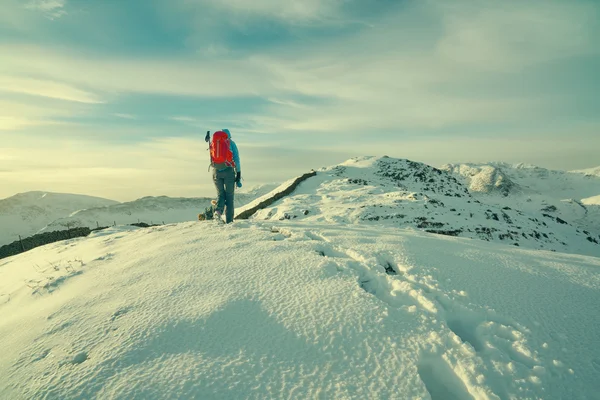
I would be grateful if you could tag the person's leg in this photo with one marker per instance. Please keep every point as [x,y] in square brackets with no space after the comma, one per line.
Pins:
[220,186]
[229,183]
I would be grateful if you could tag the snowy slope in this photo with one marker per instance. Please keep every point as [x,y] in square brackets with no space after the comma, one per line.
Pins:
[591,201]
[26,213]
[526,179]
[297,309]
[536,190]
[589,171]
[149,210]
[401,193]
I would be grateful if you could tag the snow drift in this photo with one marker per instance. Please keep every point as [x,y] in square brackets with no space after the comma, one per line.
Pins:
[296,310]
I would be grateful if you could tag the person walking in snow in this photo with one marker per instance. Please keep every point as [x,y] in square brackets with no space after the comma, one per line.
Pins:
[225,160]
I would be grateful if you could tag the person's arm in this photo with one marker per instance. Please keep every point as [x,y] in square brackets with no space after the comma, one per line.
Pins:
[236,159]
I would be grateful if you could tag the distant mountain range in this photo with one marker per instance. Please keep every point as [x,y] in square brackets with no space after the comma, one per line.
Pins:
[589,171]
[29,213]
[26,213]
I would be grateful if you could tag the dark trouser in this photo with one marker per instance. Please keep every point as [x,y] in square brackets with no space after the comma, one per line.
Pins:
[225,183]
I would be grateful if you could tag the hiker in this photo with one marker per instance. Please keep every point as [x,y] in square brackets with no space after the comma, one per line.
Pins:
[225,160]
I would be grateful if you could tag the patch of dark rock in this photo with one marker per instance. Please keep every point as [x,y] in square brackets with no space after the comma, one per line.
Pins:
[504,236]
[429,224]
[549,209]
[454,232]
[485,232]
[435,202]
[506,208]
[592,240]
[506,217]
[492,215]
[143,225]
[358,182]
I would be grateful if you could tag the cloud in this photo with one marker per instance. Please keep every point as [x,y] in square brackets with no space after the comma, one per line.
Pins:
[288,11]
[386,76]
[508,35]
[125,116]
[52,9]
[17,114]
[46,88]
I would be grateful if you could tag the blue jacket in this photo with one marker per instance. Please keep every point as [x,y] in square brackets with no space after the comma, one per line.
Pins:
[234,150]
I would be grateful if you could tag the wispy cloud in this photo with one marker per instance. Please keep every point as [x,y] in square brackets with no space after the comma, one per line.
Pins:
[125,116]
[289,11]
[46,88]
[493,35]
[52,9]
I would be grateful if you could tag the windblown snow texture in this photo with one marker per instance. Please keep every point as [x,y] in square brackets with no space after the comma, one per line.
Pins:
[296,309]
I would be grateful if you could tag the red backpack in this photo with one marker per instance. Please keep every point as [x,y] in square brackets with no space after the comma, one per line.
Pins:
[220,149]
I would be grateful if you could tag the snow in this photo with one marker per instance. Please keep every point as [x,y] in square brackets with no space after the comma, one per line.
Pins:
[589,171]
[34,212]
[537,191]
[150,209]
[296,309]
[377,278]
[26,213]
[590,201]
[407,194]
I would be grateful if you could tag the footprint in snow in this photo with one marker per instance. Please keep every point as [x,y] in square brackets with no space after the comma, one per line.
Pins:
[440,379]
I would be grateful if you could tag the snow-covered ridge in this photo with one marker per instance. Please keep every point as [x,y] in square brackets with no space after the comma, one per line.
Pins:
[150,209]
[403,193]
[26,213]
[588,171]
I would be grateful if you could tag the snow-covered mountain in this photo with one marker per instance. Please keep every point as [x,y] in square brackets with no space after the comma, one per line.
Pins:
[401,193]
[26,213]
[298,309]
[570,196]
[34,212]
[588,171]
[157,210]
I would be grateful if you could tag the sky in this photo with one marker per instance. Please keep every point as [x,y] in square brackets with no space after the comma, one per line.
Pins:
[113,98]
